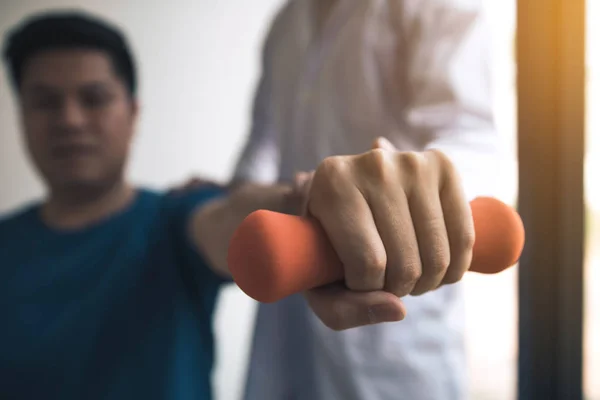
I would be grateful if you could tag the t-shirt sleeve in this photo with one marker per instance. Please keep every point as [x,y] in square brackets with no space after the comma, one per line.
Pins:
[194,267]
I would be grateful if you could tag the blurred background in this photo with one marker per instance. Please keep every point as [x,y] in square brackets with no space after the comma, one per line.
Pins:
[199,64]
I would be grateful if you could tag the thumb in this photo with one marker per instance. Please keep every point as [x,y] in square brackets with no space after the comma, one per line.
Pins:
[303,185]
[383,143]
[340,309]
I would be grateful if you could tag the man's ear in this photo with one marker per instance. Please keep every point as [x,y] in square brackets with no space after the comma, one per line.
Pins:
[134,113]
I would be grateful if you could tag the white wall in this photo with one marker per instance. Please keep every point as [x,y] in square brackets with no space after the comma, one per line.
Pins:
[198,62]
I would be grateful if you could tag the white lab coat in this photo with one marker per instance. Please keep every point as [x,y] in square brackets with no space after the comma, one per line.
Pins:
[416,72]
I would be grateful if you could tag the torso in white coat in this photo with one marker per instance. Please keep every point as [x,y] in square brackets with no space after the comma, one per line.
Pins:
[414,71]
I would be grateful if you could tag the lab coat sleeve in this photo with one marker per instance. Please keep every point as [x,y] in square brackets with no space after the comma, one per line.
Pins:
[448,81]
[259,159]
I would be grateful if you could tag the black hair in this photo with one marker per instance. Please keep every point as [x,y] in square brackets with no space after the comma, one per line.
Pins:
[68,30]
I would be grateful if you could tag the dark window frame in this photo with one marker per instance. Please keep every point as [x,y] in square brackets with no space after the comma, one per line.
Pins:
[551,141]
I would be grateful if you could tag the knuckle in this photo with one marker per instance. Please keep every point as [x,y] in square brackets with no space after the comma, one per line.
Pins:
[378,157]
[454,277]
[466,240]
[332,168]
[445,167]
[402,279]
[412,163]
[331,173]
[328,184]
[375,262]
[436,258]
[442,161]
[440,260]
[441,157]
[410,274]
[378,165]
[369,271]
[463,242]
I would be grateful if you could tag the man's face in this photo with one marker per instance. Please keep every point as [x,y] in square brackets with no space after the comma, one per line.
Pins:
[78,118]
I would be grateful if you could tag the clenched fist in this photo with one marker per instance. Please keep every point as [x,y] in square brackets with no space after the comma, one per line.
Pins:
[400,224]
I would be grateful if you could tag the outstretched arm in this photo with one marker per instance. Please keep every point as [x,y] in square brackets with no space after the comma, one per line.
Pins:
[214,223]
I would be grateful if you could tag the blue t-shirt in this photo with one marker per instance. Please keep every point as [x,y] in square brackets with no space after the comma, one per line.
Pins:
[121,310]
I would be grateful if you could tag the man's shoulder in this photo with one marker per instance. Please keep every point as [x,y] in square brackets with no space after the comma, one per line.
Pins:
[182,201]
[191,197]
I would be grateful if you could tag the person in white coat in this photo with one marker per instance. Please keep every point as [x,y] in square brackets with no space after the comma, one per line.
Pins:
[336,74]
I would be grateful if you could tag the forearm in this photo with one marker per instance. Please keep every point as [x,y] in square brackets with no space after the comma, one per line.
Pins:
[214,223]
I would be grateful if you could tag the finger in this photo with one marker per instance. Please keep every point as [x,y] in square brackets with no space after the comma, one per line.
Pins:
[383,143]
[340,309]
[302,183]
[395,226]
[301,178]
[459,224]
[348,222]
[430,227]
[386,195]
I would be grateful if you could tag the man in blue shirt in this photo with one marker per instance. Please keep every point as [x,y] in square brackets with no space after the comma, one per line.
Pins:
[101,293]
[107,290]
